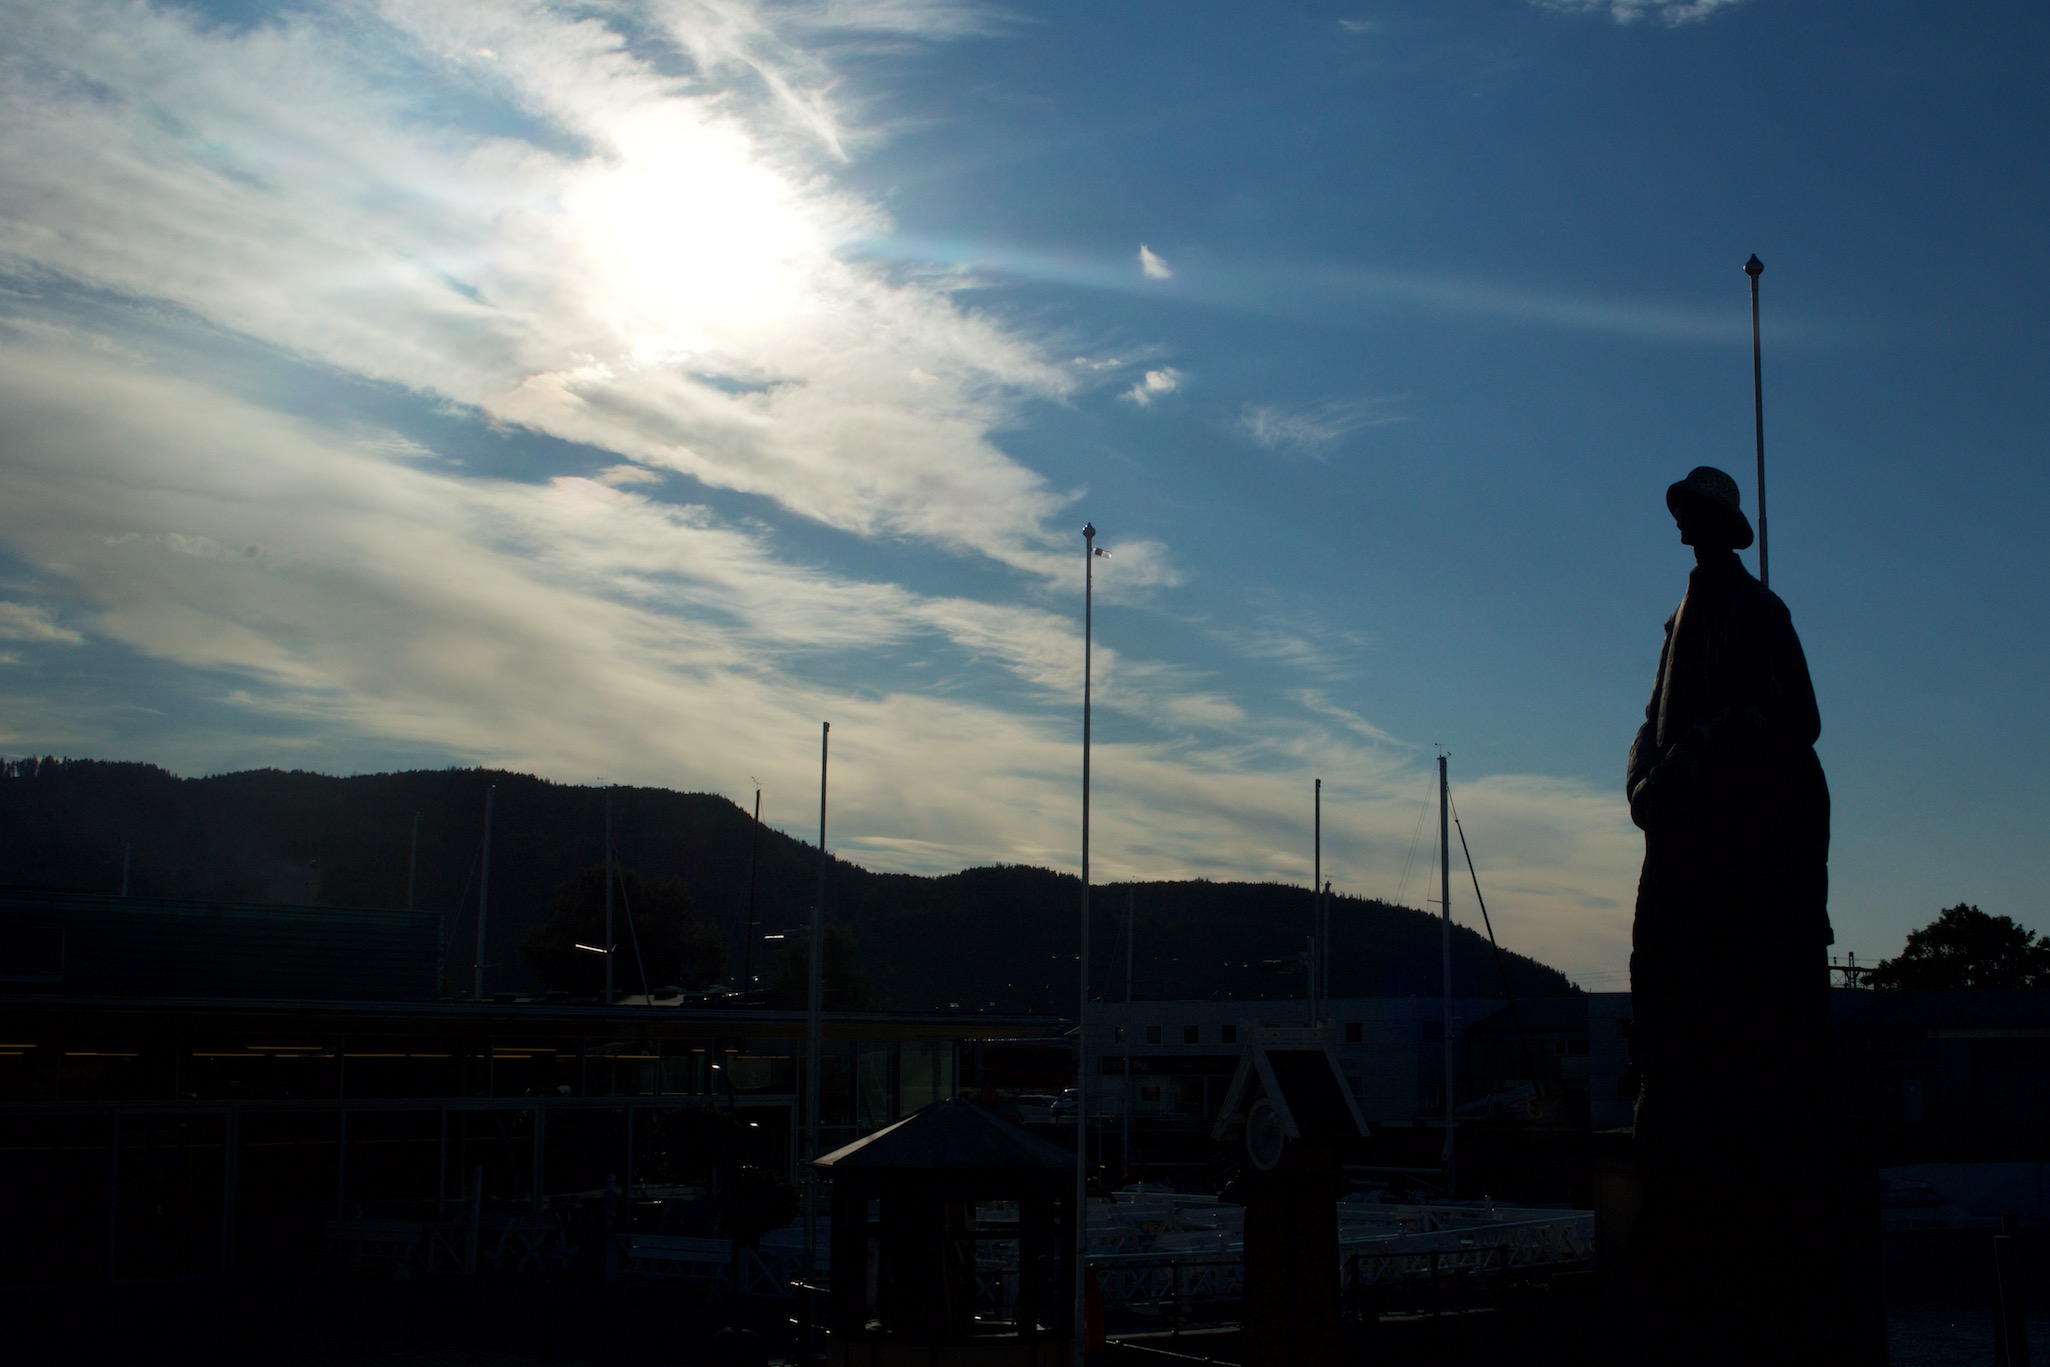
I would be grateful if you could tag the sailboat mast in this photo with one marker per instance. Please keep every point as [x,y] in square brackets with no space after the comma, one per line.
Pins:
[814,1027]
[483,899]
[747,949]
[608,899]
[1445,949]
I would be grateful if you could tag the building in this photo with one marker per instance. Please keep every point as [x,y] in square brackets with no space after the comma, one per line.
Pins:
[1391,1051]
[168,1108]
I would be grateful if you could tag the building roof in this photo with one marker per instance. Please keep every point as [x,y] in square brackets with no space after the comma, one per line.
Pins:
[82,944]
[1300,1079]
[954,1138]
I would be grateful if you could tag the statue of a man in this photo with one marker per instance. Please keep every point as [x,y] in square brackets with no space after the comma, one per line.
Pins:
[1729,973]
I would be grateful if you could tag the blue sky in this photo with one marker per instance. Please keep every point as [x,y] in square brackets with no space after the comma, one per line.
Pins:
[619,390]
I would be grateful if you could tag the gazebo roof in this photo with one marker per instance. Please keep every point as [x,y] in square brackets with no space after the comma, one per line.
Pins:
[953,1138]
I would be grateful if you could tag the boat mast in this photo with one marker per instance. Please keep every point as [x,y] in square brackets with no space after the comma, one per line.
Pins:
[1130,914]
[747,948]
[1445,947]
[609,943]
[814,1028]
[483,899]
[1319,979]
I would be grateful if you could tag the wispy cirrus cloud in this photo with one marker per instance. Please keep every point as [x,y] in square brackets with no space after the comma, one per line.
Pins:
[570,627]
[1151,265]
[540,225]
[26,622]
[1313,429]
[1671,13]
[610,250]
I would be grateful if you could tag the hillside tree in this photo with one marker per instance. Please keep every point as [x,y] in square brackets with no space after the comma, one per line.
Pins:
[676,949]
[1966,948]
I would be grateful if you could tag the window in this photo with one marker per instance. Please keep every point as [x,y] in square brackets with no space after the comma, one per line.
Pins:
[1153,1034]
[1354,1032]
[1192,1034]
[1228,1034]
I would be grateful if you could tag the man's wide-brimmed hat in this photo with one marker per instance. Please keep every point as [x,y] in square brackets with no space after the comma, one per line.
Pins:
[1714,493]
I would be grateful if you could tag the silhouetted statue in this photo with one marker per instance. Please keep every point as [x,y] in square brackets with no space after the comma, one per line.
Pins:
[1729,972]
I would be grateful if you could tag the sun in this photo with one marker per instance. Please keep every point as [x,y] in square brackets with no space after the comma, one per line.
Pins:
[694,243]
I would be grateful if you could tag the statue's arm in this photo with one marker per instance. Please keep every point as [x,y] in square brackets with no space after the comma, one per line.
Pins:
[1799,720]
[1644,752]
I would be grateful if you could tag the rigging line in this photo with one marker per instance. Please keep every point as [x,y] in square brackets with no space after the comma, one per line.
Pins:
[634,935]
[1408,859]
[1515,1018]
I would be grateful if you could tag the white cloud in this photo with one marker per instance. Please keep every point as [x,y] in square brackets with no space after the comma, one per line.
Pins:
[1314,429]
[1671,13]
[619,257]
[538,228]
[569,627]
[1152,265]
[26,622]
[1153,385]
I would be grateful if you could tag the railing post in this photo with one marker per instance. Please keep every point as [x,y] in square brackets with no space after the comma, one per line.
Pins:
[1175,1269]
[2011,1329]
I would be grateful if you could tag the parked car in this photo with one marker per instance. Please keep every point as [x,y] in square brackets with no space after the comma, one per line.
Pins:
[1035,1108]
[1099,1105]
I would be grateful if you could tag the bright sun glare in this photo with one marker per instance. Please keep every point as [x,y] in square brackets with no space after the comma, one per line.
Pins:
[696,247]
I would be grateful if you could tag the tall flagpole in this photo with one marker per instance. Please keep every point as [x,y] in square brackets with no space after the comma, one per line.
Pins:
[1089,554]
[1755,268]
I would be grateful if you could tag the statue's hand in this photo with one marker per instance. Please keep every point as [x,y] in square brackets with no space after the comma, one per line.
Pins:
[1660,795]
[1644,802]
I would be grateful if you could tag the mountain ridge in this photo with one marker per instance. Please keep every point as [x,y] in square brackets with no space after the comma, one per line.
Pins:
[993,938]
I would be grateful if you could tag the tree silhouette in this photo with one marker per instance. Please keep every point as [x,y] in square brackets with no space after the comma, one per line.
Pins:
[1964,947]
[845,987]
[675,949]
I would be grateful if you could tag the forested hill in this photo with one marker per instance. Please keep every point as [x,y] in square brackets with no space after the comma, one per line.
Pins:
[998,939]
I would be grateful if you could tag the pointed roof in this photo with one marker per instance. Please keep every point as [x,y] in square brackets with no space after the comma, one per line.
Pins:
[1301,1080]
[952,1137]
